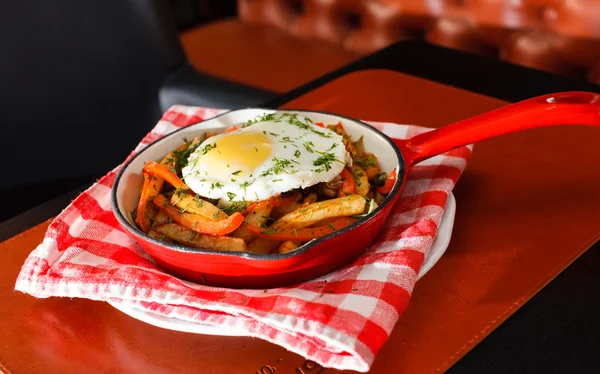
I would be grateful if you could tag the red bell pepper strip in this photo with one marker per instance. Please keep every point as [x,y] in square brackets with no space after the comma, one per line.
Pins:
[198,223]
[320,124]
[142,218]
[389,183]
[277,200]
[302,234]
[161,171]
[230,129]
[348,184]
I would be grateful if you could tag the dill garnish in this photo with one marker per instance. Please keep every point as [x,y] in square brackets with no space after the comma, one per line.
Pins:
[324,161]
[208,147]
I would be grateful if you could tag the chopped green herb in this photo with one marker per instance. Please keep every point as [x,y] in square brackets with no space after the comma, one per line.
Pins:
[324,161]
[297,153]
[372,207]
[231,195]
[236,172]
[208,147]
[308,146]
[365,162]
[279,167]
[379,179]
[134,214]
[261,118]
[331,225]
[246,184]
[293,120]
[236,206]
[277,180]
[184,208]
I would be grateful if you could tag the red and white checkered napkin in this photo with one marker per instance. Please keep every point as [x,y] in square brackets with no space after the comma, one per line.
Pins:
[339,321]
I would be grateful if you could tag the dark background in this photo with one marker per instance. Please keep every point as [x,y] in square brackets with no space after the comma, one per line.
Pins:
[190,13]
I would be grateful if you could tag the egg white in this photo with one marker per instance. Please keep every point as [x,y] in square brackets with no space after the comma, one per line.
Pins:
[302,155]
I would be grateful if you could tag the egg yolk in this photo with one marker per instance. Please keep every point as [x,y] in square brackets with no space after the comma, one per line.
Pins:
[242,152]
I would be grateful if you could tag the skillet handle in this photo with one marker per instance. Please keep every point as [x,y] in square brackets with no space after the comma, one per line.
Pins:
[562,108]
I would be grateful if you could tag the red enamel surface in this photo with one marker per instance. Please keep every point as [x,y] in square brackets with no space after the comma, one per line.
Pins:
[577,108]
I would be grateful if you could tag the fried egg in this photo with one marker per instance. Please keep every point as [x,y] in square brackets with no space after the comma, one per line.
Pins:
[269,155]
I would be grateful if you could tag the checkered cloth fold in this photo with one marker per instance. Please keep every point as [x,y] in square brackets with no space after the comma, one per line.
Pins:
[339,321]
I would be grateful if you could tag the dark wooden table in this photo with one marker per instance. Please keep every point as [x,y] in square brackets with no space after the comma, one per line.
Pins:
[558,329]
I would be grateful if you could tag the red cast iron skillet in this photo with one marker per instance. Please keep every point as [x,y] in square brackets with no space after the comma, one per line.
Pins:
[326,254]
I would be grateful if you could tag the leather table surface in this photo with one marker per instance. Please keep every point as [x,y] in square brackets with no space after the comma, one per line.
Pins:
[527,206]
[253,55]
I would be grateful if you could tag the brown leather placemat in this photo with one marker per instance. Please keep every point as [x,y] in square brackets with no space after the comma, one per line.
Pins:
[527,206]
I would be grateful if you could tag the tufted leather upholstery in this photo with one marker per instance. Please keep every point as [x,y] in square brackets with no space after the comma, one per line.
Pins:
[560,36]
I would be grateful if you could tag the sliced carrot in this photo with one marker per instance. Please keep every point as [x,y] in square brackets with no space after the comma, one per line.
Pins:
[162,171]
[348,183]
[198,223]
[302,234]
[389,183]
[275,201]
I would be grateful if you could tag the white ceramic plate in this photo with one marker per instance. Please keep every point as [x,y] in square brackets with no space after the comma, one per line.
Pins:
[439,246]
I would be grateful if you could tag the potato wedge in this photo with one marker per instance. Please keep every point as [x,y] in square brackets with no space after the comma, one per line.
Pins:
[361,180]
[310,214]
[190,238]
[162,237]
[258,216]
[161,219]
[287,246]
[368,162]
[197,205]
[339,207]
[282,210]
[339,129]
[359,145]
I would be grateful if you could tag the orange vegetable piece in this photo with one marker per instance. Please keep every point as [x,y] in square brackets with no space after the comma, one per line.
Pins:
[303,234]
[198,223]
[348,183]
[161,171]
